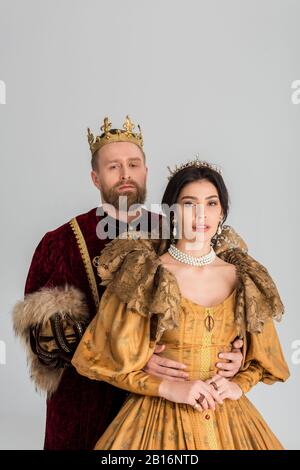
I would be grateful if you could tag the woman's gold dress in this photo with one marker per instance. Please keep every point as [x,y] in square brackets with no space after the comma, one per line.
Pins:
[117,345]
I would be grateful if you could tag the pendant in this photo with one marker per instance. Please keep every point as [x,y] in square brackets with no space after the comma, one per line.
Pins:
[209,323]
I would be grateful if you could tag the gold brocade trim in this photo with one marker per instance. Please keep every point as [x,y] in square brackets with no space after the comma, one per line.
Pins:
[86,260]
[205,365]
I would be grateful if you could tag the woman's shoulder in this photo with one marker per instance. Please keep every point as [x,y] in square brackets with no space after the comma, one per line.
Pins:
[226,272]
[229,239]
[243,262]
[221,263]
[132,259]
[131,249]
[131,269]
[258,297]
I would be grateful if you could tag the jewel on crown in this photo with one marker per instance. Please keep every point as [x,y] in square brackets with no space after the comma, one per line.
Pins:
[109,135]
[196,163]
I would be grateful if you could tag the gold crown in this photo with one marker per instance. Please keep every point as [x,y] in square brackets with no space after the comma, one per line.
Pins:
[196,163]
[114,135]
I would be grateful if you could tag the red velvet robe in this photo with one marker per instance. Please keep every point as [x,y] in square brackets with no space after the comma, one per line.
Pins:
[71,411]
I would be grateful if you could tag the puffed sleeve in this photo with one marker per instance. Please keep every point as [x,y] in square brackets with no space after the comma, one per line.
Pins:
[116,346]
[263,359]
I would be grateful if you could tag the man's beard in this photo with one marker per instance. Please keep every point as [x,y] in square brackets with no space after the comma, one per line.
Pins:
[112,195]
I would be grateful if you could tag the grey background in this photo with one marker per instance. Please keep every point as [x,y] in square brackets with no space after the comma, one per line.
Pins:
[212,77]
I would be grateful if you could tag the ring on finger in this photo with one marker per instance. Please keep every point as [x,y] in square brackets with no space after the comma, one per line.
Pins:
[200,398]
[214,385]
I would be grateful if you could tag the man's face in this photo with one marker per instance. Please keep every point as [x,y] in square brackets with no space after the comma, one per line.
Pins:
[121,172]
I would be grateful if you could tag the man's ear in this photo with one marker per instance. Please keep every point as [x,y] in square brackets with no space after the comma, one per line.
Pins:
[95,179]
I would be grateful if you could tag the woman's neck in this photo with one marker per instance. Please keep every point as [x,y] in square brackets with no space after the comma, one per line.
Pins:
[194,248]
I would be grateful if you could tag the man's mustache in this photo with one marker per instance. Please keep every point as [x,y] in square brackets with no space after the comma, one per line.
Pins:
[126,183]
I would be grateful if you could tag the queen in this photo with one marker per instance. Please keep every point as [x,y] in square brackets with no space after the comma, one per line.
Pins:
[195,294]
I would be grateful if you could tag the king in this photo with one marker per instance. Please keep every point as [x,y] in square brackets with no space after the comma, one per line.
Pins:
[62,295]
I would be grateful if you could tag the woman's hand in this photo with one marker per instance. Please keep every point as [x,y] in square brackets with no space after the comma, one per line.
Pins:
[225,388]
[198,394]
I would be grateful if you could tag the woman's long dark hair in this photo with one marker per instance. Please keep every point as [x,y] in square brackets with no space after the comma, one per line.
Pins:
[178,181]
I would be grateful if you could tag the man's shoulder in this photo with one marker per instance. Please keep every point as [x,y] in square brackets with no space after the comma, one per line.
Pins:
[63,231]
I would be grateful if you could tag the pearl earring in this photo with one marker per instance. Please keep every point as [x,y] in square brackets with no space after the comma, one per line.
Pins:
[174,231]
[219,230]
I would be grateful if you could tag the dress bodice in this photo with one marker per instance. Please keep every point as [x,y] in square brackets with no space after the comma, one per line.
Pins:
[203,333]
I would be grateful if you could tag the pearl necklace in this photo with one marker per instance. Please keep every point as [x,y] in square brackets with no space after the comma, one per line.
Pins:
[192,260]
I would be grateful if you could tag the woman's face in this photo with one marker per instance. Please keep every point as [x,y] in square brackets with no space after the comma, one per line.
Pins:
[199,211]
